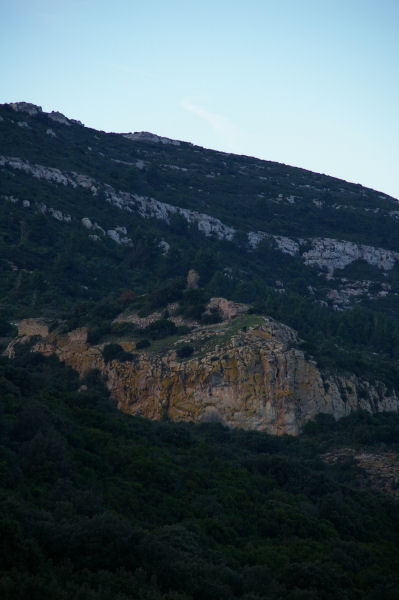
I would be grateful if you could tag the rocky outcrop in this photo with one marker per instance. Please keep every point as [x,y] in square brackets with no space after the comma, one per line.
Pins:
[119,235]
[56,214]
[50,174]
[255,379]
[31,327]
[378,470]
[282,242]
[164,246]
[192,279]
[33,110]
[227,309]
[336,254]
[27,107]
[38,171]
[148,208]
[152,138]
[349,292]
[327,253]
[59,118]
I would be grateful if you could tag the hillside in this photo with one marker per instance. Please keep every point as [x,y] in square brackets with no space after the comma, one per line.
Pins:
[216,300]
[96,225]
[97,504]
[84,201]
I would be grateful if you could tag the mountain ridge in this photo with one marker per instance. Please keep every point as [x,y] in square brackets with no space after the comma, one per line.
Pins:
[150,137]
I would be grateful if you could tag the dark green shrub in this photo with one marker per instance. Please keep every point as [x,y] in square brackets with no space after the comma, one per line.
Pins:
[210,318]
[192,304]
[6,328]
[116,352]
[93,335]
[123,328]
[159,329]
[143,344]
[97,330]
[183,329]
[107,309]
[193,312]
[170,292]
[184,351]
[193,297]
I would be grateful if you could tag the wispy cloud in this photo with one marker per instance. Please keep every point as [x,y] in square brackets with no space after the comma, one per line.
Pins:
[219,123]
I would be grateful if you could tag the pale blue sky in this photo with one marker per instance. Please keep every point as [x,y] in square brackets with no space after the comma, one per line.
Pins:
[311,83]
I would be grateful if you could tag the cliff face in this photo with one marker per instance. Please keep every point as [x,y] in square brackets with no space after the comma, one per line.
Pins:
[255,379]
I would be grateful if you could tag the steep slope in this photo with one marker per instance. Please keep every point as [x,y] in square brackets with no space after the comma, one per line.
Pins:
[124,252]
[116,199]
[93,223]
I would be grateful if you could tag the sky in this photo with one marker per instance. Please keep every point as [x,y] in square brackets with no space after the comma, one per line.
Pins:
[309,83]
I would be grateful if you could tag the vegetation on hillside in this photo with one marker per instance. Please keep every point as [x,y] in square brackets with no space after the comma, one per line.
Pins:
[99,505]
[96,504]
[53,268]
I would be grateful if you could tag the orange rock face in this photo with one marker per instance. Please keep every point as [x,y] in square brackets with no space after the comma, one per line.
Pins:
[255,379]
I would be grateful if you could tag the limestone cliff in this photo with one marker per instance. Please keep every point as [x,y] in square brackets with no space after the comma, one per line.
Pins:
[254,378]
[328,253]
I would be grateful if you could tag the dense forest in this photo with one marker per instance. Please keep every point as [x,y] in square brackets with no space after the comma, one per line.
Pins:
[97,504]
